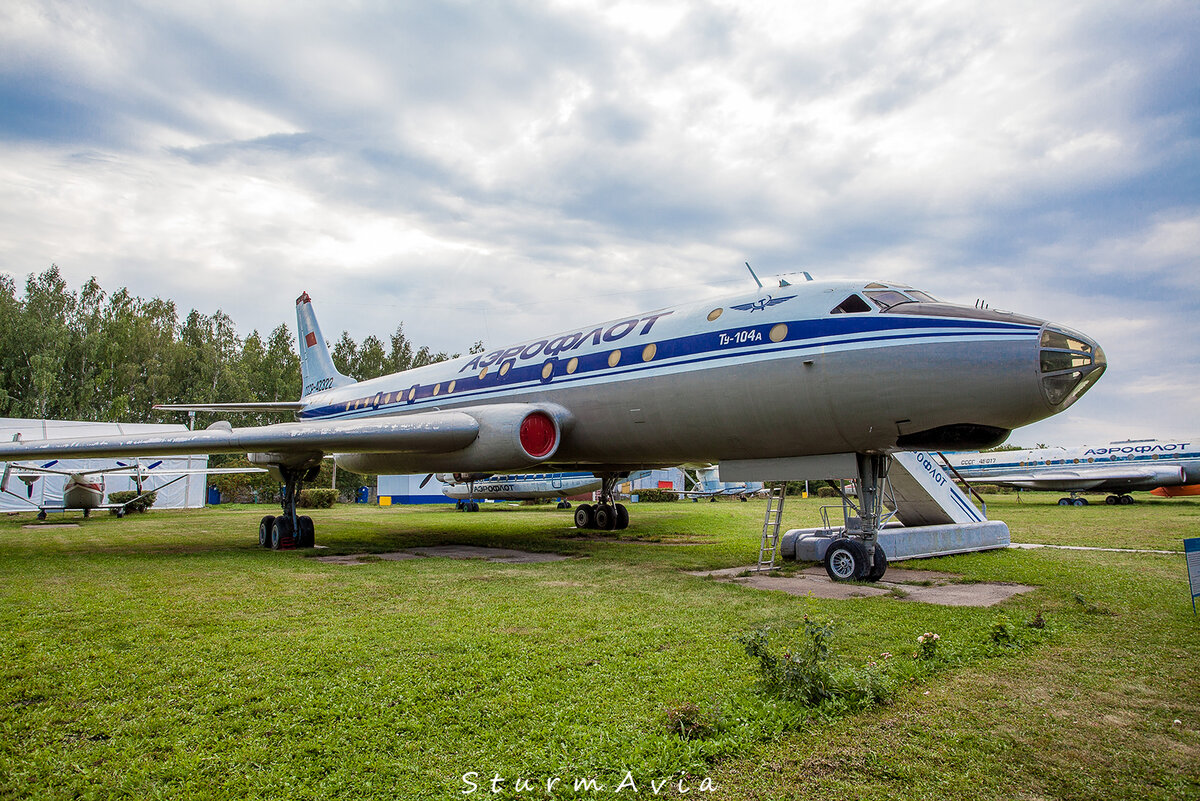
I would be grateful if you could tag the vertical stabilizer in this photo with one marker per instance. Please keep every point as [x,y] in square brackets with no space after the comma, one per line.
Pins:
[316,365]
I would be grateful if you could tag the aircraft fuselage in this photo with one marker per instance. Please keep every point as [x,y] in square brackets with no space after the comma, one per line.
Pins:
[767,375]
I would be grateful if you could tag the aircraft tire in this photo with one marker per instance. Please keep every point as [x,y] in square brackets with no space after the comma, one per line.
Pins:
[713,499]
[606,518]
[584,517]
[1126,500]
[1064,501]
[120,513]
[846,560]
[264,531]
[1079,502]
[1112,500]
[622,517]
[308,533]
[41,515]
[878,565]
[281,530]
[473,507]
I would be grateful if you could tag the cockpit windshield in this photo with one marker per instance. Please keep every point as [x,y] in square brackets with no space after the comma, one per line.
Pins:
[887,298]
[884,297]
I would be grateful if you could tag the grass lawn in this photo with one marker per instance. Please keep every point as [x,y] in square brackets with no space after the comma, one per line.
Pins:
[166,655]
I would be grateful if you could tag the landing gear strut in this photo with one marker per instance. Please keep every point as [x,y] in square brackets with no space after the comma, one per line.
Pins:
[289,530]
[607,515]
[858,556]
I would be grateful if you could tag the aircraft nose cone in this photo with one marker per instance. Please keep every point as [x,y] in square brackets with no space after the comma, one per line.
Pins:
[1069,364]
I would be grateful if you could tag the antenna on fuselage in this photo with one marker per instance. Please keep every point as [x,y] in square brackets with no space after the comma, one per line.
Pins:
[755,277]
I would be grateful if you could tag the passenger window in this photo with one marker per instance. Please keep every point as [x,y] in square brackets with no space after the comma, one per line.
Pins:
[851,305]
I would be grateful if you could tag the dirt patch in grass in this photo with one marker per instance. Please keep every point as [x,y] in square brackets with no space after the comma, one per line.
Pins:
[927,586]
[504,555]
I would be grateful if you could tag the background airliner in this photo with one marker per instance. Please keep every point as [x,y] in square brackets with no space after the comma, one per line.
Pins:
[768,382]
[519,487]
[1115,467]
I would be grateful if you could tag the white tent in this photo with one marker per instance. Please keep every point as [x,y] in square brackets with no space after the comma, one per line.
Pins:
[188,492]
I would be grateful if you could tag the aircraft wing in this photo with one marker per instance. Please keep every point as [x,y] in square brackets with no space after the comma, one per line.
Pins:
[1083,478]
[433,432]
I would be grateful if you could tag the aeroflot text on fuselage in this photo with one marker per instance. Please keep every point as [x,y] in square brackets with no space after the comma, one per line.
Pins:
[566,342]
[1128,449]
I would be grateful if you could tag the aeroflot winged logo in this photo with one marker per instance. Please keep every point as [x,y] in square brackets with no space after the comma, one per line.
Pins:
[566,342]
[761,305]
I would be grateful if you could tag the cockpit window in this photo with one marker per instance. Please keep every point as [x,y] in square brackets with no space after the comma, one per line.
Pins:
[887,298]
[851,305]
[923,297]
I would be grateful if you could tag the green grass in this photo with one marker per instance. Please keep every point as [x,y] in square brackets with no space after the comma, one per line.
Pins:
[166,655]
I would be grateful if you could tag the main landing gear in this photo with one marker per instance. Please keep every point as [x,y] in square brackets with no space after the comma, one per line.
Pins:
[607,515]
[289,530]
[1112,500]
[857,555]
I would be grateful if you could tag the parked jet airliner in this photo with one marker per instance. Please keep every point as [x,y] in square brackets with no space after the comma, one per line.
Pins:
[1115,467]
[522,487]
[772,381]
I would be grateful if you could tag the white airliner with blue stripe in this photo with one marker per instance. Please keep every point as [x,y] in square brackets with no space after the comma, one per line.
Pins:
[1114,467]
[785,373]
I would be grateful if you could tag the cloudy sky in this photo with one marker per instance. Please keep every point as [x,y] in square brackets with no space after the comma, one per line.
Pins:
[495,170]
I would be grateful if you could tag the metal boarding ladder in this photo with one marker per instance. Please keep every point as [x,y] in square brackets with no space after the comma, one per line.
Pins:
[769,547]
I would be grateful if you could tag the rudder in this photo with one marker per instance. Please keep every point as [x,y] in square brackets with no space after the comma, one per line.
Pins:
[316,365]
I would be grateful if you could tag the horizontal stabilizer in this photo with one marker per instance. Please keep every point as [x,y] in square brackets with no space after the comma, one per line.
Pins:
[275,406]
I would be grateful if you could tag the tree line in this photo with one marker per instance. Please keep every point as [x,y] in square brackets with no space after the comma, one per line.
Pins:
[91,355]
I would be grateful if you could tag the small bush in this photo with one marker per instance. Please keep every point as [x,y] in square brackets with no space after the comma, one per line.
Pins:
[809,676]
[1003,633]
[656,495]
[927,646]
[826,492]
[316,498]
[125,496]
[689,722]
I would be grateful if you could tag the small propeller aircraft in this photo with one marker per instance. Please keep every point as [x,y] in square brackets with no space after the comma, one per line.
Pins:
[769,384]
[705,482]
[84,489]
[1169,465]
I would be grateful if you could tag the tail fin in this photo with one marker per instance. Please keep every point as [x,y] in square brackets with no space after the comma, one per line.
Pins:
[316,366]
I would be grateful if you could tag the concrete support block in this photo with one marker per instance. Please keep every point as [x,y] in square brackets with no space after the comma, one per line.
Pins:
[900,542]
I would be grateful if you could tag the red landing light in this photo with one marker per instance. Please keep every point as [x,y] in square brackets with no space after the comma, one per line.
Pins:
[537,435]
